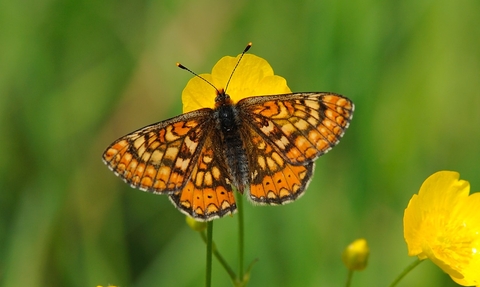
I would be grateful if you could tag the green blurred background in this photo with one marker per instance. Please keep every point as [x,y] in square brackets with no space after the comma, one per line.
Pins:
[76,75]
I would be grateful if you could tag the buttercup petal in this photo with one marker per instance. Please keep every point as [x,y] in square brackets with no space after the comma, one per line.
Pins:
[252,77]
[198,94]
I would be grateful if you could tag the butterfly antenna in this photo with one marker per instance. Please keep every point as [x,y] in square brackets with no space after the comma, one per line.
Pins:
[197,75]
[249,45]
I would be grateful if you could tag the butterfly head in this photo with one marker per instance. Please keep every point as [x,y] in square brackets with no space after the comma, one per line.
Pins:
[222,98]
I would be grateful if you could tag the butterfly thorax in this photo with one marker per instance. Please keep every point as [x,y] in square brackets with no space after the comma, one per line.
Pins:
[228,128]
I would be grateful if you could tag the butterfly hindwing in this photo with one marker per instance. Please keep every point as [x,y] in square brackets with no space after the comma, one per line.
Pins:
[273,180]
[283,186]
[208,193]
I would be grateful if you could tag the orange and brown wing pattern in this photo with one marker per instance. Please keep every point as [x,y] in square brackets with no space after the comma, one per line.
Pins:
[301,126]
[208,194]
[273,180]
[283,186]
[158,158]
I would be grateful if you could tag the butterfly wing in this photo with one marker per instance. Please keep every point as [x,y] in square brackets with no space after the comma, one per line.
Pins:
[208,193]
[159,157]
[288,132]
[273,180]
[300,126]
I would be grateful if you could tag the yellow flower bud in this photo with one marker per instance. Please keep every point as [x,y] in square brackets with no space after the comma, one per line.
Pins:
[196,225]
[355,256]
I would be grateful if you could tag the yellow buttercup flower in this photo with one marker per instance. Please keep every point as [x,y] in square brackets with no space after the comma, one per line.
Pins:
[442,223]
[253,77]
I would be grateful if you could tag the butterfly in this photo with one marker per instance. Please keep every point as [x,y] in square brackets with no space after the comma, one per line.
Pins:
[264,146]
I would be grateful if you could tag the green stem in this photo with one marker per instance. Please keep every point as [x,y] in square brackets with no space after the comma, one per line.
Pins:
[349,278]
[240,233]
[406,271]
[208,282]
[220,258]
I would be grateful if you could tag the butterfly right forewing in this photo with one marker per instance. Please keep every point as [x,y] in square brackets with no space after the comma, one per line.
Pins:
[301,126]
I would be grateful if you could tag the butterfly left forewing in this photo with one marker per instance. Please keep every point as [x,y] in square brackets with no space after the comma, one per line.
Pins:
[301,126]
[158,157]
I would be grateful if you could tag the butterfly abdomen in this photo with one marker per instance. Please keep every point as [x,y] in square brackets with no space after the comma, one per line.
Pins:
[228,125]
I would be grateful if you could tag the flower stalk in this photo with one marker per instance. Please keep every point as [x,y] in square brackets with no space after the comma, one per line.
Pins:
[208,276]
[405,272]
[241,250]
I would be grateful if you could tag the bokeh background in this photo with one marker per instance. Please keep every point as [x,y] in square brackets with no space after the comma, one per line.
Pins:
[76,75]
